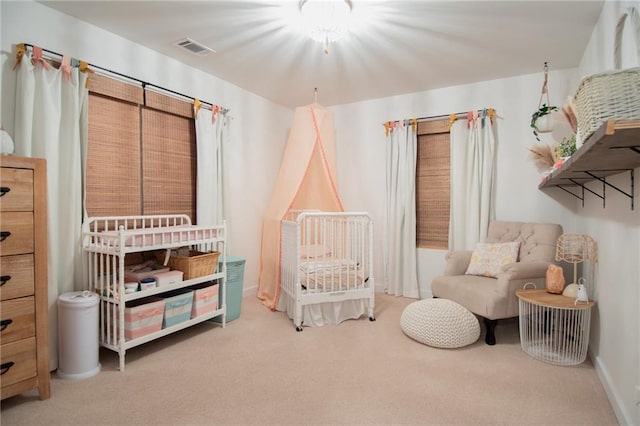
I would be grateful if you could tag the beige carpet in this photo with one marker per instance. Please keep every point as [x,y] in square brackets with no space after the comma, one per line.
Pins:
[259,370]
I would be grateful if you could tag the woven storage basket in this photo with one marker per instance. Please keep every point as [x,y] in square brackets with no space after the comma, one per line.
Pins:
[612,95]
[197,264]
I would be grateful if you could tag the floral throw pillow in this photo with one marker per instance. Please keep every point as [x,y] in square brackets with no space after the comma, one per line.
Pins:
[488,258]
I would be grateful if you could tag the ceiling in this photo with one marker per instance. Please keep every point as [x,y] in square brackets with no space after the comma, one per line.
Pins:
[395,47]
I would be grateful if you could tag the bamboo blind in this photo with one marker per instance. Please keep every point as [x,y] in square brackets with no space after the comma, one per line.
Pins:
[169,163]
[433,187]
[113,158]
[117,89]
[169,104]
[139,160]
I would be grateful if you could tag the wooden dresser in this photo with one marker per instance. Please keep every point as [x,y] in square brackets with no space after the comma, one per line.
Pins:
[24,333]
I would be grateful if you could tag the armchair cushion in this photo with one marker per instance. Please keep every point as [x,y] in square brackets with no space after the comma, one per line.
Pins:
[457,262]
[524,270]
[488,259]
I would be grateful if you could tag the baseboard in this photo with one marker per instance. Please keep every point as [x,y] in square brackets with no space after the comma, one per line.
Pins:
[623,416]
[250,291]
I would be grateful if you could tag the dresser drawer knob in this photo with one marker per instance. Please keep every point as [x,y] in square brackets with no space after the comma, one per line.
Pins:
[4,235]
[4,279]
[5,323]
[4,190]
[5,366]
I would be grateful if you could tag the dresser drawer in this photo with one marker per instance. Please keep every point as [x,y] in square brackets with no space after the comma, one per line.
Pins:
[16,276]
[17,233]
[17,319]
[18,361]
[17,190]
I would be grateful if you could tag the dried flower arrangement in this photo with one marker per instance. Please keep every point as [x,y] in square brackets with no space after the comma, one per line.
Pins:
[543,157]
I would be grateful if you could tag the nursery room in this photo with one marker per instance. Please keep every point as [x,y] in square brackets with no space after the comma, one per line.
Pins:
[320,212]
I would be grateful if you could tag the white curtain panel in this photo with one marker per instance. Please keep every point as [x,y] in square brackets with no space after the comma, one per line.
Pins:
[210,141]
[400,230]
[472,182]
[51,123]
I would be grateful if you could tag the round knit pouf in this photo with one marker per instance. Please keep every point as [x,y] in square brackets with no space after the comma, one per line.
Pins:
[440,323]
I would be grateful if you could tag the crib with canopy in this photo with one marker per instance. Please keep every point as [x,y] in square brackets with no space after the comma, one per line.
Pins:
[316,259]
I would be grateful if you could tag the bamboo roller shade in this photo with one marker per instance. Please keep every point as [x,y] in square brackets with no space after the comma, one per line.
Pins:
[103,85]
[140,160]
[113,158]
[168,104]
[169,163]
[433,185]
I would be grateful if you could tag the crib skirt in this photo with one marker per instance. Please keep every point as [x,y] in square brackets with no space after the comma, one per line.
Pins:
[320,314]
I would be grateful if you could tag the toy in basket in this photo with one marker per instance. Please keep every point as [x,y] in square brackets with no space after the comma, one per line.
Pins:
[193,263]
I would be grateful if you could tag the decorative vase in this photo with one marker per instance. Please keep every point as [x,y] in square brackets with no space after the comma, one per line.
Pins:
[554,279]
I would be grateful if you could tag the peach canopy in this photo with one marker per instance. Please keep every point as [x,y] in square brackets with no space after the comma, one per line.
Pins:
[306,181]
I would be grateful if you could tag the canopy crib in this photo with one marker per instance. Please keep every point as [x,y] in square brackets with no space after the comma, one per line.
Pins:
[307,182]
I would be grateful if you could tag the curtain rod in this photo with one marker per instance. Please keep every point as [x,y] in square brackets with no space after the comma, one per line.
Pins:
[142,82]
[459,115]
[438,117]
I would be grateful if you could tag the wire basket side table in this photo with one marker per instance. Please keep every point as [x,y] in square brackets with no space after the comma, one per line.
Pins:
[553,329]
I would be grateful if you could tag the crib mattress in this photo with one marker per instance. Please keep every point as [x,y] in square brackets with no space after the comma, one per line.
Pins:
[341,281]
[331,274]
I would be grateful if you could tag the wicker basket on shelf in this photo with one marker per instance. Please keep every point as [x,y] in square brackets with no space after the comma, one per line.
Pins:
[612,95]
[196,264]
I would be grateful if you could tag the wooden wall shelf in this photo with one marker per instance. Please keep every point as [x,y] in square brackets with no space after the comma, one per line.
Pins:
[612,149]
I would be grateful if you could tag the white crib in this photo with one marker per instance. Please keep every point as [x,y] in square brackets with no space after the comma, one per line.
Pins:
[327,262]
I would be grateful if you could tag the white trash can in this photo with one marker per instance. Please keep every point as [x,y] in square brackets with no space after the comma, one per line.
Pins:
[78,345]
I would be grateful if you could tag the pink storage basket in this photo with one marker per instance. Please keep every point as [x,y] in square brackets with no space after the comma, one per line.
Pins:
[142,317]
[205,300]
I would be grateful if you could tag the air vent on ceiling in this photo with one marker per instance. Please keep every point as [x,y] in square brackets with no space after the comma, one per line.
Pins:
[194,47]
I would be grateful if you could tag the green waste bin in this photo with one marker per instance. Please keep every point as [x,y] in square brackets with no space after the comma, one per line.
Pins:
[235,277]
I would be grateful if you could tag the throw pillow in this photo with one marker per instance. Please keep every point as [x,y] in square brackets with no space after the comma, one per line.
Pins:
[488,258]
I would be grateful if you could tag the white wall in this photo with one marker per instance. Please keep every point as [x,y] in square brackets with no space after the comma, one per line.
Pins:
[615,337]
[258,131]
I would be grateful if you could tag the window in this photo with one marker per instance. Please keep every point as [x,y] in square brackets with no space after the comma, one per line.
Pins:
[141,156]
[433,188]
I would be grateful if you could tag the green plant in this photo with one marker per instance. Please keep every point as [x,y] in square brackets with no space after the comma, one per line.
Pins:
[541,112]
[567,147]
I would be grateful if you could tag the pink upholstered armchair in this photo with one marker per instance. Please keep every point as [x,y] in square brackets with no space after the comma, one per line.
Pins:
[493,297]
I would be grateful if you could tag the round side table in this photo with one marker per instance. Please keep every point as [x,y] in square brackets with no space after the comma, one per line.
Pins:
[553,328]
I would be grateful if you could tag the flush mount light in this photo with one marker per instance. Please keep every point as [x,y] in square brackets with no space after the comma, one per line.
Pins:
[326,21]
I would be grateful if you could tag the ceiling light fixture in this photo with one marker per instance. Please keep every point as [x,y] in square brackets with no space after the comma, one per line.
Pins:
[326,21]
